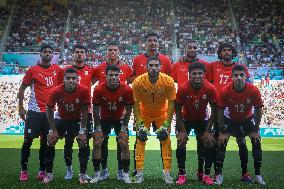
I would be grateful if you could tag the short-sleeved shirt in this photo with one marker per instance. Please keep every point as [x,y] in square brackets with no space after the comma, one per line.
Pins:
[240,104]
[112,102]
[194,101]
[140,64]
[180,71]
[221,74]
[69,104]
[125,72]
[41,80]
[154,98]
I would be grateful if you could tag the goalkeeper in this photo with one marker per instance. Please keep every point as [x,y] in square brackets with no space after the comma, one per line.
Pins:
[154,95]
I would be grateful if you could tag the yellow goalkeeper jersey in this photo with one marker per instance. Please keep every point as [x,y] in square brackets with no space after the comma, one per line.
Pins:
[154,98]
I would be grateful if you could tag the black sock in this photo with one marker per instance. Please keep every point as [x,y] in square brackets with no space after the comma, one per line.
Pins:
[25,153]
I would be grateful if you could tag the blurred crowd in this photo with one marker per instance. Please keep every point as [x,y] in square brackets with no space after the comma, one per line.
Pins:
[8,100]
[257,33]
[4,15]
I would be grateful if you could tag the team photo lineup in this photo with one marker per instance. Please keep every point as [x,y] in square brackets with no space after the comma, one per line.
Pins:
[142,99]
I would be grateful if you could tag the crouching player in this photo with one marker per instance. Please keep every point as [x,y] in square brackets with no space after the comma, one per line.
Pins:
[72,100]
[239,97]
[112,105]
[191,103]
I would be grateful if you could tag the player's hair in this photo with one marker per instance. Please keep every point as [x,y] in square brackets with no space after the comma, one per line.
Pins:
[70,70]
[238,67]
[224,45]
[45,47]
[151,34]
[112,43]
[112,67]
[196,65]
[79,47]
[191,41]
[153,58]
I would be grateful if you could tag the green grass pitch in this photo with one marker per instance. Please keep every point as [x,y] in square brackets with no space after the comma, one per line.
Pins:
[272,169]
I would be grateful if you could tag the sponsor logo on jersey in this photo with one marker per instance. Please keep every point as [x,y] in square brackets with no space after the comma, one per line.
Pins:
[77,101]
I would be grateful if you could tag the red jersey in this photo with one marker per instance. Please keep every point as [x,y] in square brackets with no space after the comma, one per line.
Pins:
[221,75]
[195,101]
[41,80]
[85,75]
[112,102]
[125,72]
[140,64]
[69,104]
[240,104]
[180,71]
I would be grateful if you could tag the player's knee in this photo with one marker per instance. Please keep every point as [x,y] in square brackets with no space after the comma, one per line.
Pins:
[81,144]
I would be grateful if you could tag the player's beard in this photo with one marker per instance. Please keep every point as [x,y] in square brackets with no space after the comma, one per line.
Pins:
[240,85]
[70,87]
[191,55]
[227,58]
[47,59]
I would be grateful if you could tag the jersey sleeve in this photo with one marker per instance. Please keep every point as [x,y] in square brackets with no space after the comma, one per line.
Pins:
[52,99]
[96,73]
[134,65]
[168,65]
[85,95]
[28,78]
[174,72]
[96,95]
[213,95]
[129,100]
[61,76]
[136,94]
[209,73]
[180,96]
[221,102]
[171,91]
[129,72]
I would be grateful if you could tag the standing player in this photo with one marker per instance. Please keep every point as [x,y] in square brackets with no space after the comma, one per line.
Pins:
[240,98]
[220,75]
[112,102]
[72,101]
[191,103]
[125,74]
[41,78]
[86,78]
[180,69]
[139,66]
[154,95]
[113,58]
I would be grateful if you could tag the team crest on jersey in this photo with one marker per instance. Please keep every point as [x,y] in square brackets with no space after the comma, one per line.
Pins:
[77,101]
[120,99]
[54,73]
[86,72]
[248,100]
[204,96]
